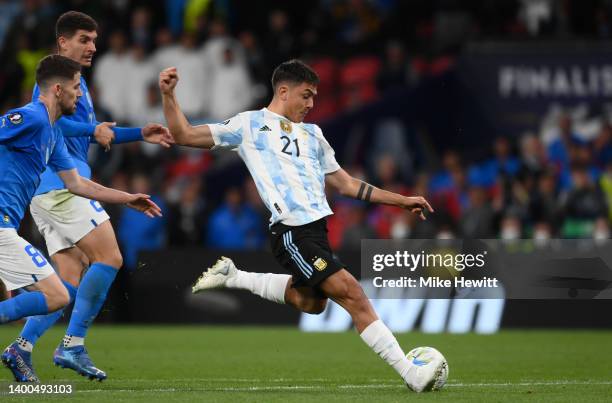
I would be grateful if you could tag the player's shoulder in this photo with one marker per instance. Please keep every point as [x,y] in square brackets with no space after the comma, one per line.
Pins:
[313,129]
[248,115]
[28,115]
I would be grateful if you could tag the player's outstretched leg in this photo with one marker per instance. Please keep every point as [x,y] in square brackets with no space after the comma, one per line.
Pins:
[346,291]
[36,326]
[46,296]
[342,287]
[224,274]
[100,246]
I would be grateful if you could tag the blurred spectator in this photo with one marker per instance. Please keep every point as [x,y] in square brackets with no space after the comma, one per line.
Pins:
[537,16]
[606,186]
[356,227]
[138,232]
[139,73]
[510,228]
[395,69]
[234,225]
[230,86]
[279,42]
[532,155]
[109,77]
[256,63]
[543,204]
[602,145]
[188,215]
[174,15]
[193,84]
[583,204]
[391,140]
[503,165]
[140,30]
[358,20]
[9,10]
[253,200]
[562,149]
[477,220]
[166,50]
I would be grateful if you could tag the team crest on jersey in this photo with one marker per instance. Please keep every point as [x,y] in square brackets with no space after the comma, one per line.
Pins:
[6,219]
[285,126]
[15,118]
[320,264]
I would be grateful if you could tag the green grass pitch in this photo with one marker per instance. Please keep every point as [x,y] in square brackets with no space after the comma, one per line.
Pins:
[203,363]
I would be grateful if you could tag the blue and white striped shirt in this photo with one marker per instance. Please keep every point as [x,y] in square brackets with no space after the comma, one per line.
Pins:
[288,162]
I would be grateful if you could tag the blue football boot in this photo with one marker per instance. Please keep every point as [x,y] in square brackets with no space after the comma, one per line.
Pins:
[20,363]
[77,359]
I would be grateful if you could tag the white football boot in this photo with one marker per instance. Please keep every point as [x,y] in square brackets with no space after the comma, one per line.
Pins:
[216,276]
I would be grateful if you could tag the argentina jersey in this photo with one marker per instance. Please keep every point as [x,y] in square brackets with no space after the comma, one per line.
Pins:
[77,146]
[28,143]
[288,162]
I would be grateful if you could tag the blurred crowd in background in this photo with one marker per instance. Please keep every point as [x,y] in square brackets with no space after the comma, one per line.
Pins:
[553,182]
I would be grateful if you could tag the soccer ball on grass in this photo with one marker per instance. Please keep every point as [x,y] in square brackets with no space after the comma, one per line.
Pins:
[428,371]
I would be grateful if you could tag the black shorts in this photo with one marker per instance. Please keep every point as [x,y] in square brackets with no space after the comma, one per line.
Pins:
[304,251]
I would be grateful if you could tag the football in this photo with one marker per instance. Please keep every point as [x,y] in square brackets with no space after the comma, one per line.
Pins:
[428,371]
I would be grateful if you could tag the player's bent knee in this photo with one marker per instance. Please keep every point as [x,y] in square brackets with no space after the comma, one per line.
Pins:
[112,258]
[57,298]
[317,306]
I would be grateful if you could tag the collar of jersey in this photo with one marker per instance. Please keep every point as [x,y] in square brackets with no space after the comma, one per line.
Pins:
[279,116]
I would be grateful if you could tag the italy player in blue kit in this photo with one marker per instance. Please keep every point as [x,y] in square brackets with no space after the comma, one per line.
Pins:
[29,141]
[77,230]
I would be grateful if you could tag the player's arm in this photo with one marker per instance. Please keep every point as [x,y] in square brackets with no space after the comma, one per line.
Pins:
[183,132]
[153,133]
[91,190]
[349,186]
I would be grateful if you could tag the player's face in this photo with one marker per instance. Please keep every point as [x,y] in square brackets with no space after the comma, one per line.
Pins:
[80,48]
[300,100]
[69,95]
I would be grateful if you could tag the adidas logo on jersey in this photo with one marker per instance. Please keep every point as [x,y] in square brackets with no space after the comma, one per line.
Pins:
[265,128]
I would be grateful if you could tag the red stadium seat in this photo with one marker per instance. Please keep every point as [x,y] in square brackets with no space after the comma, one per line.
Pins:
[325,107]
[358,79]
[360,70]
[327,69]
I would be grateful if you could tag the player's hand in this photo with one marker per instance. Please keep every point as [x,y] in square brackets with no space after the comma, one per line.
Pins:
[144,204]
[417,205]
[104,134]
[155,133]
[168,78]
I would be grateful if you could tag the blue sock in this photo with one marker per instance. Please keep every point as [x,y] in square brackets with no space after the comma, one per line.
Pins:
[36,326]
[25,304]
[90,297]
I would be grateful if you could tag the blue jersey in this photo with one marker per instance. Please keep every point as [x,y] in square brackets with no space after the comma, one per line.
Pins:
[77,146]
[28,143]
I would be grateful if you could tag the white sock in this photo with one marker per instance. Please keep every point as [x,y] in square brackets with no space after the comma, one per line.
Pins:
[269,286]
[380,339]
[71,341]
[24,344]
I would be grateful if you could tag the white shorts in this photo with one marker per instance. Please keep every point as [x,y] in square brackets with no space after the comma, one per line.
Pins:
[21,264]
[63,218]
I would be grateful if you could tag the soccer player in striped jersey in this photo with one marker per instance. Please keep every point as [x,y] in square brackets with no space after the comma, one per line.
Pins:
[291,162]
[77,230]
[30,140]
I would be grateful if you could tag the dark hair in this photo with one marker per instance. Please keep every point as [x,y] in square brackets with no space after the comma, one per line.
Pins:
[55,66]
[294,71]
[71,21]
